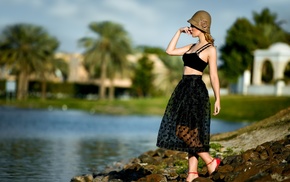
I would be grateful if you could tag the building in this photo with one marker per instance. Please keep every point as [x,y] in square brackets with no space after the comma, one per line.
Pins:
[278,56]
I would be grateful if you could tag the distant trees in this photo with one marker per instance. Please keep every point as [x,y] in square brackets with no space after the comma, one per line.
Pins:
[243,38]
[270,27]
[27,49]
[167,80]
[105,54]
[142,81]
[170,78]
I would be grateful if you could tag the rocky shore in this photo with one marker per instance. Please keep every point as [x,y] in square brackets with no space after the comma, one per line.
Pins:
[257,153]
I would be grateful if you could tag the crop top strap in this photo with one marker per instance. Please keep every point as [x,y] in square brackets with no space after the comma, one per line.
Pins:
[202,48]
[190,47]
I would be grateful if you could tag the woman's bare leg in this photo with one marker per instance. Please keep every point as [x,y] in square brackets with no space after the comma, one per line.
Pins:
[208,159]
[192,167]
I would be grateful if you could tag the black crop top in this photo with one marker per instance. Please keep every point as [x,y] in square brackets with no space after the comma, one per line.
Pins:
[193,60]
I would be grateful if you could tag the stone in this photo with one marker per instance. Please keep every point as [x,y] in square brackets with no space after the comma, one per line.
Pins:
[268,161]
[153,178]
[264,155]
[226,168]
[202,180]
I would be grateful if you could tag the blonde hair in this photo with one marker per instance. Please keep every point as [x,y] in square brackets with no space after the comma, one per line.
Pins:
[208,38]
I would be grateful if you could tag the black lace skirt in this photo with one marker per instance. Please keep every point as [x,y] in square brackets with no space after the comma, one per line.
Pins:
[185,125]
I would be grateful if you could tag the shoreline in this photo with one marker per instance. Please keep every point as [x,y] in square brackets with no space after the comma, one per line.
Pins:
[235,108]
[266,159]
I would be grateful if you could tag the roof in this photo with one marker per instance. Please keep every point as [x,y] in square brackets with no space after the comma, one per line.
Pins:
[280,47]
[276,49]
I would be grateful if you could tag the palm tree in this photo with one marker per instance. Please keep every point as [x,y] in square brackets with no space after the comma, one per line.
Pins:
[26,48]
[51,68]
[270,27]
[105,55]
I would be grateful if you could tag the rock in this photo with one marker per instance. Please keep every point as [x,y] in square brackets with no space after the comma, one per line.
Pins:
[85,178]
[268,161]
[153,178]
[202,180]
[269,129]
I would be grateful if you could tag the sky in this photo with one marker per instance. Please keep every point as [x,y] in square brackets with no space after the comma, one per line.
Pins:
[148,22]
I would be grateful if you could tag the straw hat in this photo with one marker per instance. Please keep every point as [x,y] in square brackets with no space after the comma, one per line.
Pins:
[201,20]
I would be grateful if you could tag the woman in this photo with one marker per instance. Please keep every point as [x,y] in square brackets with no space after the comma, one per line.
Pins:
[185,125]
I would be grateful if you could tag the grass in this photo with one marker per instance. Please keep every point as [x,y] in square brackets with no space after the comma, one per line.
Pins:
[251,108]
[234,107]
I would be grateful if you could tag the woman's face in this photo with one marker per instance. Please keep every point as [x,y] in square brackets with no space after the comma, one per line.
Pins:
[194,31]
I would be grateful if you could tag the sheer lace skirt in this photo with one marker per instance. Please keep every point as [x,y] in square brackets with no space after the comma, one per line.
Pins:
[185,125]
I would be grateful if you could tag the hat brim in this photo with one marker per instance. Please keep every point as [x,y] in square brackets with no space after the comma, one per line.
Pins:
[196,25]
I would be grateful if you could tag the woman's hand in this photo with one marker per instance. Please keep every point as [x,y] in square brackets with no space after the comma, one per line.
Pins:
[171,48]
[217,108]
[185,30]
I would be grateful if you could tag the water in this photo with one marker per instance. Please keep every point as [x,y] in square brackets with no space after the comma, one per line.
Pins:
[43,145]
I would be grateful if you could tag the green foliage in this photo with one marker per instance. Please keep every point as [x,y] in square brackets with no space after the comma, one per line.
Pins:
[159,168]
[200,164]
[70,89]
[251,108]
[234,108]
[243,38]
[142,82]
[182,166]
[270,27]
[170,78]
[105,54]
[216,146]
[27,49]
[165,81]
[236,54]
[151,50]
[228,152]
[216,151]
[2,85]
[21,43]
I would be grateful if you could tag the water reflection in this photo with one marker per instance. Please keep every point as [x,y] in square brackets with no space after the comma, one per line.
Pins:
[40,145]
[29,157]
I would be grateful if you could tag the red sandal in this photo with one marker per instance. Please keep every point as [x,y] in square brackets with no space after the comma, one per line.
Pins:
[192,173]
[218,161]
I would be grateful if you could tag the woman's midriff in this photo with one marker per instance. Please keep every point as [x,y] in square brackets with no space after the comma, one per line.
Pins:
[189,71]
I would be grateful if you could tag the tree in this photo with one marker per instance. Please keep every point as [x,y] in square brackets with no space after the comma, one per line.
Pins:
[105,55]
[166,81]
[55,67]
[270,27]
[142,83]
[243,38]
[172,76]
[26,48]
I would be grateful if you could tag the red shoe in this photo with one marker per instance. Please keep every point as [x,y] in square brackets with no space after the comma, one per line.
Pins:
[218,161]
[192,173]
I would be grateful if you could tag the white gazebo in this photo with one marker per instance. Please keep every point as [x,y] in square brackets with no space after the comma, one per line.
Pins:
[278,55]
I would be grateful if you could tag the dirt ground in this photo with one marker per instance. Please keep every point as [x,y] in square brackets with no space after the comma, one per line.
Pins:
[273,128]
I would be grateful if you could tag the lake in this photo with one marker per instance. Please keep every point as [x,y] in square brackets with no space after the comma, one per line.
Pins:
[56,145]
